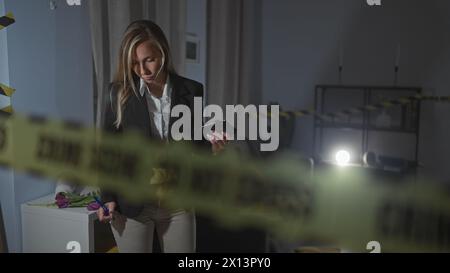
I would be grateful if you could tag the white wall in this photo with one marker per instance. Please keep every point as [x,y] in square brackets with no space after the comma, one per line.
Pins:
[435,125]
[49,65]
[301,49]
[7,197]
[196,24]
[4,72]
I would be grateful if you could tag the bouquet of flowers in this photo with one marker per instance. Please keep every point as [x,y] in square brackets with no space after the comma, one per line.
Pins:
[72,200]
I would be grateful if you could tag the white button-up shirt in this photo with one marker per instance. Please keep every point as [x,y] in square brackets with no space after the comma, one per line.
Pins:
[159,109]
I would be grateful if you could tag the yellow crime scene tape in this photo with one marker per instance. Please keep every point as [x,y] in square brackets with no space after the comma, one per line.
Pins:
[6,90]
[6,20]
[8,109]
[369,108]
[345,208]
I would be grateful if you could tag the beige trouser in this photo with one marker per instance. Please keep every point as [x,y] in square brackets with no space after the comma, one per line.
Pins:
[175,231]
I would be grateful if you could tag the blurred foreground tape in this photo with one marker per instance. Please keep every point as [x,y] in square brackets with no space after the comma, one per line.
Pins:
[345,208]
[8,109]
[6,20]
[6,91]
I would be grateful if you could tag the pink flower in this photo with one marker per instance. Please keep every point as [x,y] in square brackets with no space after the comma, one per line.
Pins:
[62,203]
[61,200]
[93,206]
[60,196]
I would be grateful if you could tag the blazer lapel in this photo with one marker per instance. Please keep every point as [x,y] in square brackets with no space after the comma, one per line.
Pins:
[137,114]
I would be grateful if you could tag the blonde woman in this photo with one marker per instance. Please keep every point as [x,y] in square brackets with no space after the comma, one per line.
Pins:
[144,91]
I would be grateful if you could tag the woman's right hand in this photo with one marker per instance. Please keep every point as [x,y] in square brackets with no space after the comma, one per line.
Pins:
[101,212]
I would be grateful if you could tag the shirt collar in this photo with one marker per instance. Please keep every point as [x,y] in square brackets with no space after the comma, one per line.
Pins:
[166,91]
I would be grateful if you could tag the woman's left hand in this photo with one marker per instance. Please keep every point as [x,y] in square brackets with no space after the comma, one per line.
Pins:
[218,141]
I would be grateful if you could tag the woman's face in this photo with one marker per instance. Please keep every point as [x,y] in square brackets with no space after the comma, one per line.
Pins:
[147,62]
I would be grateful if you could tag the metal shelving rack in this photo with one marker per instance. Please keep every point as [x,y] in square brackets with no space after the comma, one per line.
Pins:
[410,118]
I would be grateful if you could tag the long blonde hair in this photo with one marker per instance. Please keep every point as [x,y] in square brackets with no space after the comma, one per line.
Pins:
[125,78]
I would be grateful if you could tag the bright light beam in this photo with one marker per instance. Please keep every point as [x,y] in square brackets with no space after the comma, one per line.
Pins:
[342,157]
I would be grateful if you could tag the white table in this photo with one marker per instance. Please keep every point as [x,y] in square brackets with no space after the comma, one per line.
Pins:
[47,229]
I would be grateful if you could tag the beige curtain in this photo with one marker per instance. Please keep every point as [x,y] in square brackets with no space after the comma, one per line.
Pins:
[109,19]
[234,52]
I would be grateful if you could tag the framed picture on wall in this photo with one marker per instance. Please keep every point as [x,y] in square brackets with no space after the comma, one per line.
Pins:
[192,48]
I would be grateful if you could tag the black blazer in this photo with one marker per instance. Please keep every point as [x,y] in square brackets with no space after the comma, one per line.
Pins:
[135,116]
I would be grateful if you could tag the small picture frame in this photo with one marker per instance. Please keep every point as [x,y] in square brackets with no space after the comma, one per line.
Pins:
[192,48]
